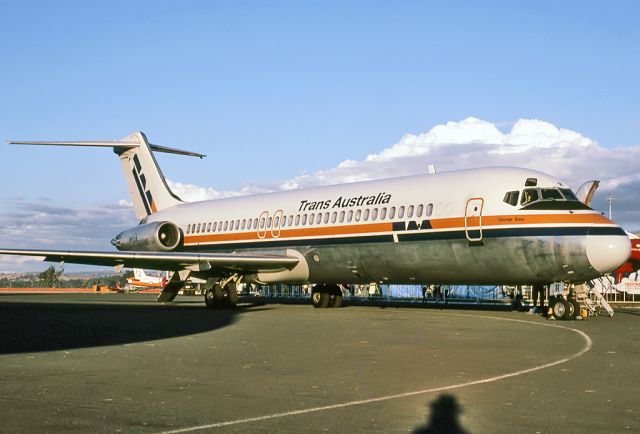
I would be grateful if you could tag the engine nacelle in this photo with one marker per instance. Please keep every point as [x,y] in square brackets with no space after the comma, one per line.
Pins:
[151,237]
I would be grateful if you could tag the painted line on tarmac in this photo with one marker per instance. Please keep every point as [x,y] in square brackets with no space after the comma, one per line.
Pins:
[587,341]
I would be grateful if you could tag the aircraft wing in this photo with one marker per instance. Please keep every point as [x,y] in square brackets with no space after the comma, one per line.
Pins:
[171,261]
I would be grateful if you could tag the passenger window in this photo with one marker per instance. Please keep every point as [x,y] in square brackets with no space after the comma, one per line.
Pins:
[342,216]
[199,225]
[334,217]
[276,223]
[365,217]
[304,219]
[349,216]
[383,213]
[215,225]
[419,210]
[429,210]
[209,227]
[401,212]
[290,221]
[511,197]
[269,221]
[244,224]
[410,211]
[528,196]
[226,225]
[297,219]
[358,214]
[262,222]
[188,228]
[312,218]
[392,212]
[326,217]
[374,214]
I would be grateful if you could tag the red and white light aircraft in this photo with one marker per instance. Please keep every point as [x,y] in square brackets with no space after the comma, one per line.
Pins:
[497,225]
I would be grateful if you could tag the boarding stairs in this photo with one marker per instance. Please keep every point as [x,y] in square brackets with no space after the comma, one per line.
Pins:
[597,302]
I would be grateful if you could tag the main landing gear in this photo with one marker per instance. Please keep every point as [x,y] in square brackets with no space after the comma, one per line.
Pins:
[562,308]
[326,296]
[220,294]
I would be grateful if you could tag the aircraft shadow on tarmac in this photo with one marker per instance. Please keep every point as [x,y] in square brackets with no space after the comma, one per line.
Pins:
[33,327]
[444,417]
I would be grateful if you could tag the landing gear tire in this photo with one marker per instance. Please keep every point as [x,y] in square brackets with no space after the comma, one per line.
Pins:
[559,308]
[576,306]
[209,299]
[218,294]
[570,312]
[320,296]
[335,301]
[230,294]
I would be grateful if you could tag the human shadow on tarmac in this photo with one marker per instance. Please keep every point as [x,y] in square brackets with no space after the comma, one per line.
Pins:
[34,326]
[444,417]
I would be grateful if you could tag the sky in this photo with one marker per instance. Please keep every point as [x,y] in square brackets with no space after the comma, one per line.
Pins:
[295,94]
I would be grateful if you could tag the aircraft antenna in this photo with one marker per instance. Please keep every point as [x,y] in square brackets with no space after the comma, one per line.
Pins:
[610,199]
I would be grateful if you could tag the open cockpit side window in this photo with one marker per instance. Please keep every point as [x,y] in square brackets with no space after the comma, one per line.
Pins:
[511,197]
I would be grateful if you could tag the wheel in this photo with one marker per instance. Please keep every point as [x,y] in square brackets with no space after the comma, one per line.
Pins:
[571,311]
[218,294]
[231,294]
[209,299]
[577,308]
[559,308]
[335,295]
[319,296]
[336,301]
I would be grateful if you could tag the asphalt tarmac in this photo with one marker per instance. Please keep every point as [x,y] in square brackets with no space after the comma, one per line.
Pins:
[123,363]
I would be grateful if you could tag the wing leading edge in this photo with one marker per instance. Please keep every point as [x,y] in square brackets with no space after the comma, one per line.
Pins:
[239,263]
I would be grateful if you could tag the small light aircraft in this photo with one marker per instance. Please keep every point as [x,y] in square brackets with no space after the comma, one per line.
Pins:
[141,280]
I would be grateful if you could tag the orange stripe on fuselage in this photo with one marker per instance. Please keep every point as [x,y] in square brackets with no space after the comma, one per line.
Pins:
[532,219]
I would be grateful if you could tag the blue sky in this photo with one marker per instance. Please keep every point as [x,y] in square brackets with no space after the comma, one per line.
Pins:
[273,90]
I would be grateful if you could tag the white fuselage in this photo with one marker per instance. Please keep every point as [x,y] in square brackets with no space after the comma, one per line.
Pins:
[454,227]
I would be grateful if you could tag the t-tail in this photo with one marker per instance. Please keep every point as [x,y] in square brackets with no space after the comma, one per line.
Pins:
[147,186]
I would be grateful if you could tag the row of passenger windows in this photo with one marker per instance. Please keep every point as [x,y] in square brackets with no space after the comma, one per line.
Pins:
[281,221]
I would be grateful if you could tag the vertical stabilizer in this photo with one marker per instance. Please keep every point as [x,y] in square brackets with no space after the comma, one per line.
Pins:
[147,186]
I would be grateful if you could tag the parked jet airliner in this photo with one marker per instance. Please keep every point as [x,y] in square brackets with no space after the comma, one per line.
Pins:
[484,226]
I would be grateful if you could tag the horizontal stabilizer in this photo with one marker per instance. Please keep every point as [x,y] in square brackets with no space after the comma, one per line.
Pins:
[108,144]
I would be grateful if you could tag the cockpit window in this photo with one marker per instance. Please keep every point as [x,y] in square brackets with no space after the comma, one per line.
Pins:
[511,197]
[551,194]
[568,194]
[550,199]
[529,195]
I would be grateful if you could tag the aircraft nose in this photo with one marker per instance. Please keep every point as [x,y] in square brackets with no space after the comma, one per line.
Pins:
[607,252]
